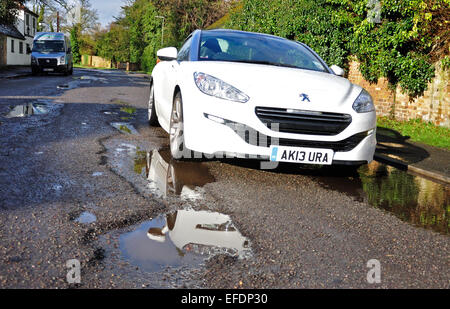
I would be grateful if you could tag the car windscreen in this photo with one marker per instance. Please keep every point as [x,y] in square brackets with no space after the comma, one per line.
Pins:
[254,48]
[48,46]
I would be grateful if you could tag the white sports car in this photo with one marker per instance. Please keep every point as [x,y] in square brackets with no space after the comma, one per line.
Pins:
[236,93]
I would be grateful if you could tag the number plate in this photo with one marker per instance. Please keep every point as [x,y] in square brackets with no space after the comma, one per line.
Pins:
[301,155]
[48,70]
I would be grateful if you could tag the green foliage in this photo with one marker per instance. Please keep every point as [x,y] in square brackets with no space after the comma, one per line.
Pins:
[40,18]
[74,33]
[8,11]
[114,44]
[397,47]
[136,36]
[312,22]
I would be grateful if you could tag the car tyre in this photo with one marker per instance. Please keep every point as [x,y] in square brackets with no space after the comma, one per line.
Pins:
[152,117]
[176,132]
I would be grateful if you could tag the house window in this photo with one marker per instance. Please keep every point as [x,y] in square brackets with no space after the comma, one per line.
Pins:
[27,27]
[28,47]
[20,47]
[12,46]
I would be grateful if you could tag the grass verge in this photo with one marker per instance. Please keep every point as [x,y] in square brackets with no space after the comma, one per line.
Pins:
[419,131]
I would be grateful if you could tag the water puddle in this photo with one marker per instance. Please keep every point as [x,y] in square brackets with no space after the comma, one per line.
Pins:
[128,110]
[411,198]
[93,78]
[72,84]
[29,109]
[86,218]
[170,177]
[125,127]
[109,113]
[182,238]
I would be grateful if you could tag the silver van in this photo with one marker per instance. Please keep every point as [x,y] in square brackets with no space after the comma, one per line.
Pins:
[52,53]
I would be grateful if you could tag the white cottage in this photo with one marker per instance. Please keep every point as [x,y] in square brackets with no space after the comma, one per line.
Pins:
[15,40]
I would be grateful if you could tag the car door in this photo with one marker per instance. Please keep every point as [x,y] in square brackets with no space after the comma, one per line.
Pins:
[170,81]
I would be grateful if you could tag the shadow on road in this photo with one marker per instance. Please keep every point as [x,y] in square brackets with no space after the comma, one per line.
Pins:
[392,144]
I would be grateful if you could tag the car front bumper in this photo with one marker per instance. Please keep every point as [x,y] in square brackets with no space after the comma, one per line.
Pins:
[222,128]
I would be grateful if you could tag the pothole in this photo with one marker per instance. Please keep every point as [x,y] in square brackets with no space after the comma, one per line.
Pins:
[125,127]
[182,238]
[169,177]
[30,109]
[411,198]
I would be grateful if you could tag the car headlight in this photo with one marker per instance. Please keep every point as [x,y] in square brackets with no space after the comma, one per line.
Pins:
[363,103]
[62,60]
[218,88]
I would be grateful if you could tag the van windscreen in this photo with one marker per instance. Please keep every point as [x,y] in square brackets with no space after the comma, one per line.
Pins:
[46,46]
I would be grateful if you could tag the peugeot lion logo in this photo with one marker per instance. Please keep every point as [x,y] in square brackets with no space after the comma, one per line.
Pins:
[304,97]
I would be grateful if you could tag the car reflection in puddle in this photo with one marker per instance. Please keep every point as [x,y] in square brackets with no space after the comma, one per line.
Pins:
[182,238]
[411,198]
[29,109]
[169,177]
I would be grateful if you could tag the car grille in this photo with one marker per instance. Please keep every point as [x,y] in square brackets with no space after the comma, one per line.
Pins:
[303,122]
[339,146]
[255,138]
[48,62]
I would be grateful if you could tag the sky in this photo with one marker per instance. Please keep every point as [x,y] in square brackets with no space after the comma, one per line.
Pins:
[107,9]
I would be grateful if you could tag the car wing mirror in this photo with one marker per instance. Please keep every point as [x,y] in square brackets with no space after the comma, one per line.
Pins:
[167,54]
[337,70]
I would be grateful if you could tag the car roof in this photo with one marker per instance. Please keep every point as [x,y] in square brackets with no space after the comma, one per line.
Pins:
[224,31]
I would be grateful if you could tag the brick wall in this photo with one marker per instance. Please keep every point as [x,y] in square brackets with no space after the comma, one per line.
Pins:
[95,61]
[99,62]
[433,106]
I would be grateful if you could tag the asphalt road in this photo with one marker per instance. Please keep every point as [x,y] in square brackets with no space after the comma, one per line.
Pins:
[85,178]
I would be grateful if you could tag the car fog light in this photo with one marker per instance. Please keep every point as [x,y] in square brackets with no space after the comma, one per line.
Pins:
[215,119]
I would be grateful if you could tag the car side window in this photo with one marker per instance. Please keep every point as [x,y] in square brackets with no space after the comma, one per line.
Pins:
[183,54]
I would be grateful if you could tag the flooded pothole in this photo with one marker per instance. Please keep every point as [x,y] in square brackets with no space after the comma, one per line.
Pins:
[125,127]
[182,238]
[29,109]
[93,78]
[155,173]
[86,218]
[411,198]
[170,177]
[128,110]
[73,84]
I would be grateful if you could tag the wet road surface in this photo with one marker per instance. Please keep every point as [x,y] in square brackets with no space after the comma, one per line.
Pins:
[82,176]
